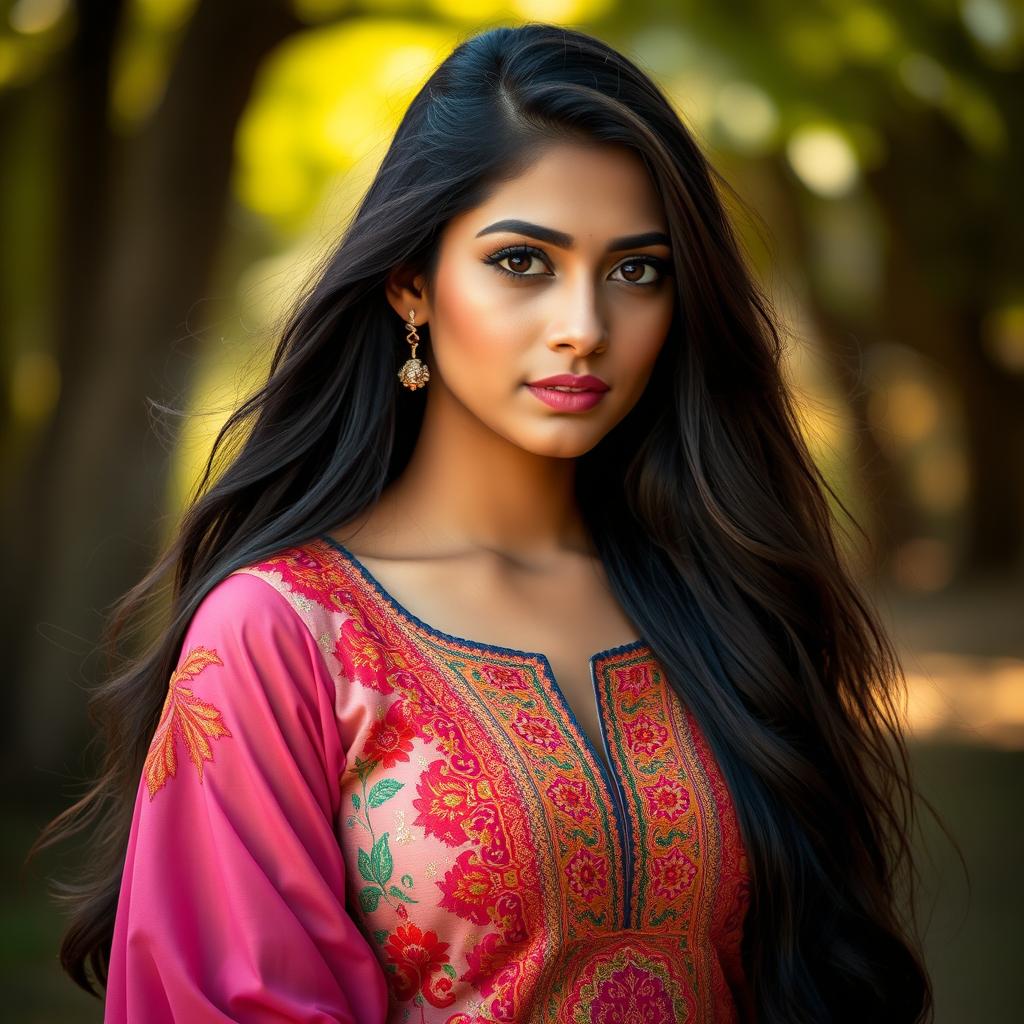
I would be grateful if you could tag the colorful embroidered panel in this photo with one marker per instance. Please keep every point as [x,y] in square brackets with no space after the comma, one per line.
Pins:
[493,864]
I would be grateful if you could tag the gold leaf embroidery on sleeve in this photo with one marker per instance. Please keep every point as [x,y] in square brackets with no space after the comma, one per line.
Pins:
[184,714]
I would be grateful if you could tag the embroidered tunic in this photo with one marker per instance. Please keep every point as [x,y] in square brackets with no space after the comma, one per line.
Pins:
[346,815]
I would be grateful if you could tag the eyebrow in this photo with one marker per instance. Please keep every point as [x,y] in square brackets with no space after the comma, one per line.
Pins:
[564,241]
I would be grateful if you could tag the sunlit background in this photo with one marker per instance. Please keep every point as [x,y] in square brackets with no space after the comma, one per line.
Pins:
[172,169]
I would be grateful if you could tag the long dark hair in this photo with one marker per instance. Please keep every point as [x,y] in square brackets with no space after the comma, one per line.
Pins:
[722,549]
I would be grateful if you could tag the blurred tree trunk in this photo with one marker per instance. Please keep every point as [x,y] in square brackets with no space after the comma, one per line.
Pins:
[953,240]
[89,510]
[994,405]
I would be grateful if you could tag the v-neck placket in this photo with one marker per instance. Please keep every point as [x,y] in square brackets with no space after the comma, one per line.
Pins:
[612,777]
[605,765]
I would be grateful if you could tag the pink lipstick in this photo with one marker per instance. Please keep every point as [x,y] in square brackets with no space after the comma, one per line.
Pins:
[569,392]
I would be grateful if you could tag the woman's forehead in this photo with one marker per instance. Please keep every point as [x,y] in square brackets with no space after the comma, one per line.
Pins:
[585,194]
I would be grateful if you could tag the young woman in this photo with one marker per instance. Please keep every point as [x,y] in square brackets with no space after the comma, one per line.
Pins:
[513,672]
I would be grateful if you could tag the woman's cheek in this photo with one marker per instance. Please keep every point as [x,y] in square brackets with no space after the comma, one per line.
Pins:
[481,335]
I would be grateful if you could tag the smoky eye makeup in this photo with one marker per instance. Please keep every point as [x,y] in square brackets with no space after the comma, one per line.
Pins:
[527,255]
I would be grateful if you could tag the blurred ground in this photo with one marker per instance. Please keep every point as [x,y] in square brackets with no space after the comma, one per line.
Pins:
[963,652]
[964,657]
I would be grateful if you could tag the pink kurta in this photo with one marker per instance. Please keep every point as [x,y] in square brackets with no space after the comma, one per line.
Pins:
[347,815]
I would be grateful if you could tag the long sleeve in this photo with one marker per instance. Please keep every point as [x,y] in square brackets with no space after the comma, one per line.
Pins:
[232,903]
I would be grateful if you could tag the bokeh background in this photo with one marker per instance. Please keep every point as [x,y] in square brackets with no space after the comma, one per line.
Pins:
[171,169]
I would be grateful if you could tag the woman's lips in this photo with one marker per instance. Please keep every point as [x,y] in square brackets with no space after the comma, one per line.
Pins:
[566,401]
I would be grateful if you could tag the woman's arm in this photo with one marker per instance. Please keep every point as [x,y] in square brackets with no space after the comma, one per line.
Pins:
[232,903]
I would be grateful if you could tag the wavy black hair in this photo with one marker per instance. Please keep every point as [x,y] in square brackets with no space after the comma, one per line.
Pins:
[720,545]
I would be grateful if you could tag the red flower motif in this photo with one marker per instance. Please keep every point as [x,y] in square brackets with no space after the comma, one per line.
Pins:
[390,739]
[667,798]
[470,889]
[644,735]
[633,681]
[672,873]
[502,677]
[537,730]
[418,955]
[361,652]
[445,802]
[572,797]
[587,874]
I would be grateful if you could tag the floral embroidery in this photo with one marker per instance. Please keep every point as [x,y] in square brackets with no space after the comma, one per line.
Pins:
[644,735]
[572,797]
[633,682]
[508,916]
[666,799]
[551,888]
[627,982]
[689,872]
[672,872]
[504,678]
[538,730]
[470,888]
[360,650]
[587,874]
[386,745]
[390,739]
[446,801]
[377,865]
[486,959]
[184,714]
[633,994]
[316,579]
[417,956]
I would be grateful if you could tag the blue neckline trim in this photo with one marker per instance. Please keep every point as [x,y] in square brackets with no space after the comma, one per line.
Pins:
[631,645]
[604,764]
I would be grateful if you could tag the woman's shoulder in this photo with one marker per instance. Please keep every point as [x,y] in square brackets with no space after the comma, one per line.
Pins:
[310,571]
[305,582]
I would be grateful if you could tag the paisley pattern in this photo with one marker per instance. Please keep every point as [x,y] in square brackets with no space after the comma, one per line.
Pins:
[499,871]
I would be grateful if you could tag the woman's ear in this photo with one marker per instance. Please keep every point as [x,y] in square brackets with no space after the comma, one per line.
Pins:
[406,290]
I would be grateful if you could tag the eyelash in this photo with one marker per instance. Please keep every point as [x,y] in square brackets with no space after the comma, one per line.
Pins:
[528,250]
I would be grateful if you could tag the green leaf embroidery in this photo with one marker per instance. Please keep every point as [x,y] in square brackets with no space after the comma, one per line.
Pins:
[407,881]
[355,801]
[380,858]
[395,891]
[449,970]
[363,768]
[381,936]
[365,866]
[382,791]
[369,897]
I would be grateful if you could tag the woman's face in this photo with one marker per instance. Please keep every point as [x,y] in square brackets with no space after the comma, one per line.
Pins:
[563,270]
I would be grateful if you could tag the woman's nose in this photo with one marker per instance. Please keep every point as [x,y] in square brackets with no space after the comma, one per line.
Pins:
[579,322]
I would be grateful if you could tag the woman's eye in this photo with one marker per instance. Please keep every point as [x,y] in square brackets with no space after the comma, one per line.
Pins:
[636,271]
[518,262]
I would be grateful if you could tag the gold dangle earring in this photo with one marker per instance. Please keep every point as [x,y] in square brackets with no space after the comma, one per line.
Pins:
[414,373]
